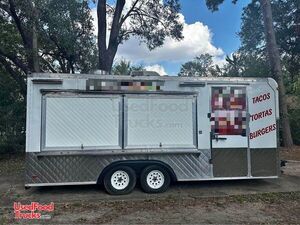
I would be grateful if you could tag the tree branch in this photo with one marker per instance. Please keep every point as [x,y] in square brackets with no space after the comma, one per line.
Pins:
[15,60]
[112,9]
[4,7]
[142,13]
[129,12]
[49,65]
[17,77]
[101,13]
[115,30]
[115,27]
[126,33]
[12,8]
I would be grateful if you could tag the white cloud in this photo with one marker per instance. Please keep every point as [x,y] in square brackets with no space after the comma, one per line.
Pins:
[156,68]
[219,60]
[197,40]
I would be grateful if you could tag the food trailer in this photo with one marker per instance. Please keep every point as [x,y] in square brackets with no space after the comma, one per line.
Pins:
[119,130]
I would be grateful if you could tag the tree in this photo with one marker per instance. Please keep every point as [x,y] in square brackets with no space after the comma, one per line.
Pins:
[287,29]
[60,40]
[125,68]
[57,37]
[275,64]
[276,69]
[201,66]
[245,64]
[66,36]
[12,114]
[149,20]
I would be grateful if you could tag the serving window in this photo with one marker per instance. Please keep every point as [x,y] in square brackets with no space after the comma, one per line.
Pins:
[81,122]
[160,121]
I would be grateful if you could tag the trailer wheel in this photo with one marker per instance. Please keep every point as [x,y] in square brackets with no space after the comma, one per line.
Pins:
[120,180]
[155,179]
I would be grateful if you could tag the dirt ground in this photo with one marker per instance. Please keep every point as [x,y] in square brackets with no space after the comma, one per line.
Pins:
[292,154]
[215,202]
[274,208]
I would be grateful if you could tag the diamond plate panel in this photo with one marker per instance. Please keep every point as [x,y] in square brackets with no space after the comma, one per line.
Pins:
[72,168]
[87,168]
[188,166]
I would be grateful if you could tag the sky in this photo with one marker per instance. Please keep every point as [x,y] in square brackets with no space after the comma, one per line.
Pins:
[204,32]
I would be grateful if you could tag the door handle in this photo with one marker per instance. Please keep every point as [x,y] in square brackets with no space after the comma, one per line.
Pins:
[221,138]
[217,138]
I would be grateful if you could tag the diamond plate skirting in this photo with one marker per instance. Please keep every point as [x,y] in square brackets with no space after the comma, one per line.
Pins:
[87,168]
[68,168]
[188,166]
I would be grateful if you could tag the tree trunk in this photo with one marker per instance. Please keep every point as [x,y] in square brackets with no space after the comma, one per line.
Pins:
[101,13]
[35,56]
[276,69]
[108,53]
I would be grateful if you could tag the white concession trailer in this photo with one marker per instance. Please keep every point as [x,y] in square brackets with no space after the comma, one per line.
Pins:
[117,130]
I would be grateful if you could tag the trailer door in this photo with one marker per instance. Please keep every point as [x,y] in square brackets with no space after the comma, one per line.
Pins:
[229,141]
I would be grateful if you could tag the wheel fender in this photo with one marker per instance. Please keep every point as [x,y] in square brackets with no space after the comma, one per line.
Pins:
[138,166]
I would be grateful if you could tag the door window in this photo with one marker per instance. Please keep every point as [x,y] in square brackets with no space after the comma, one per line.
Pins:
[228,115]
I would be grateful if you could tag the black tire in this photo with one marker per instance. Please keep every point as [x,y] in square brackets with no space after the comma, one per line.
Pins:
[157,172]
[110,187]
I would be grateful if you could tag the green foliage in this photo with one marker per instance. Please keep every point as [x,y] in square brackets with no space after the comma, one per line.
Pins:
[242,64]
[295,125]
[124,67]
[12,115]
[66,35]
[296,87]
[294,114]
[201,66]
[10,39]
[213,5]
[286,25]
[66,44]
[250,60]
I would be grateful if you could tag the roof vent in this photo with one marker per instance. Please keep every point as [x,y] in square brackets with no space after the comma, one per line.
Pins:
[101,72]
[143,73]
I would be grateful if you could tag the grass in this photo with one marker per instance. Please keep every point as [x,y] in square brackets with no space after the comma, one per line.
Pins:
[12,163]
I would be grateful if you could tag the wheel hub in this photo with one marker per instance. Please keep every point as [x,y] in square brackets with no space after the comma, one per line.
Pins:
[119,179]
[155,179]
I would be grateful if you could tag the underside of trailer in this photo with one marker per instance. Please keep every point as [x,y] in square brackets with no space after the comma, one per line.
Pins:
[89,129]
